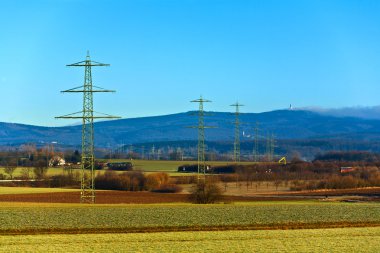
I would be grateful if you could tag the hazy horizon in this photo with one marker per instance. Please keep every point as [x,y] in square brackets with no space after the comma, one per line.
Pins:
[364,112]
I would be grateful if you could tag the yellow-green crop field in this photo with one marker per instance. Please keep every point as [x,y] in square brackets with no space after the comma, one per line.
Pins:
[21,218]
[338,240]
[27,190]
[18,171]
[240,227]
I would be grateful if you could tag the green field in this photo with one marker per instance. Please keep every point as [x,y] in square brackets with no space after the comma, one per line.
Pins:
[67,218]
[306,240]
[171,166]
[144,165]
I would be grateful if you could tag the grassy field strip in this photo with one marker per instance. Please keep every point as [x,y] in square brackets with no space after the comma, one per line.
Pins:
[316,240]
[144,165]
[18,171]
[130,218]
[27,190]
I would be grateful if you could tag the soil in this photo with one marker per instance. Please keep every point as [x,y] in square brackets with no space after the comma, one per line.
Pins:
[121,197]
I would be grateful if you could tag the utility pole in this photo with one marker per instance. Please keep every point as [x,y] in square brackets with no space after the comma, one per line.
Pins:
[130,152]
[201,136]
[87,116]
[256,144]
[268,147]
[153,153]
[237,133]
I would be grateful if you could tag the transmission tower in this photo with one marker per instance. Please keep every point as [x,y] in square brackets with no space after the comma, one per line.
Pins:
[256,144]
[153,152]
[87,115]
[201,136]
[268,147]
[237,133]
[130,151]
[272,147]
[143,152]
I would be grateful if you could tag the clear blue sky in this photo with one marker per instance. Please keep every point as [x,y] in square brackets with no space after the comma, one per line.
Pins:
[265,54]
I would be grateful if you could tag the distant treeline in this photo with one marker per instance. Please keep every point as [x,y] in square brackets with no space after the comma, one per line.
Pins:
[307,149]
[350,156]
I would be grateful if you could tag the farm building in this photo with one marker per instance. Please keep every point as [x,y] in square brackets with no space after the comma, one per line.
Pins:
[56,161]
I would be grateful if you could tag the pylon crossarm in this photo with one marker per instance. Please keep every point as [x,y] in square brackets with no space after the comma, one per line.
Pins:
[237,105]
[203,127]
[70,90]
[81,89]
[201,114]
[201,100]
[87,63]
[106,115]
[82,117]
[79,115]
[102,89]
[68,115]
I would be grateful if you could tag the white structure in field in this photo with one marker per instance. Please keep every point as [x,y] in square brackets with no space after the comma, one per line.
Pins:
[56,161]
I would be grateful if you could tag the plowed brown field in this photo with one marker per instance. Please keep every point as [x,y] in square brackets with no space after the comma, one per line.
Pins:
[125,197]
[119,197]
[369,191]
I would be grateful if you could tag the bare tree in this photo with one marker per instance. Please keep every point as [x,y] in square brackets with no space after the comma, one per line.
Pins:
[25,172]
[40,169]
[206,193]
[10,170]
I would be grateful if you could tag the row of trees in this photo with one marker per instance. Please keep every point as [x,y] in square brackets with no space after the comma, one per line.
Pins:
[39,171]
[26,159]
[135,181]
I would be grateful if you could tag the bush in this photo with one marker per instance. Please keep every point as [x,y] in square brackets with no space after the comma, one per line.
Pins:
[227,169]
[168,188]
[121,166]
[127,181]
[188,168]
[185,179]
[156,180]
[62,181]
[206,193]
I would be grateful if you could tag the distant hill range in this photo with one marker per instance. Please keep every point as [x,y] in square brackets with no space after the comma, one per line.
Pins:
[287,125]
[364,112]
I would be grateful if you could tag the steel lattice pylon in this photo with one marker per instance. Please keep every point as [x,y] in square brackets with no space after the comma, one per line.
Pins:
[270,146]
[237,133]
[256,143]
[201,136]
[87,116]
